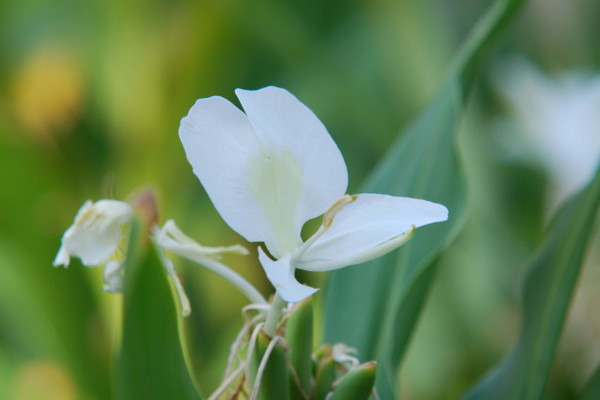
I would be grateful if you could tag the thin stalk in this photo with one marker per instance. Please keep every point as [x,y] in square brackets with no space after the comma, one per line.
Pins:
[274,315]
[233,277]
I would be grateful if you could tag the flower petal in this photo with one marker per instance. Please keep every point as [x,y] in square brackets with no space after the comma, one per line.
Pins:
[170,237]
[96,232]
[62,258]
[269,172]
[366,229]
[113,277]
[281,275]
[186,309]
[291,133]
[226,156]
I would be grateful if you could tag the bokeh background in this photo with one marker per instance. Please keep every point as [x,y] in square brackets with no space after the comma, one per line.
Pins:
[91,94]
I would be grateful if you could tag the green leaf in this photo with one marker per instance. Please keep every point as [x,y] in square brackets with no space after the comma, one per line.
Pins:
[548,289]
[151,363]
[424,163]
[592,388]
[356,384]
[325,377]
[274,383]
[299,337]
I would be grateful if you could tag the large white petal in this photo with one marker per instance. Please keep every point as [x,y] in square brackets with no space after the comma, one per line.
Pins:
[367,228]
[242,180]
[307,171]
[281,275]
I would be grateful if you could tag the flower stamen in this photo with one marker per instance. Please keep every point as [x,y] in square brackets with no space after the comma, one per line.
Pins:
[336,208]
[328,217]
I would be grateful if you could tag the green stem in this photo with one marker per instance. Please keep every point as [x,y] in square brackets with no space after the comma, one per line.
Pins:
[274,315]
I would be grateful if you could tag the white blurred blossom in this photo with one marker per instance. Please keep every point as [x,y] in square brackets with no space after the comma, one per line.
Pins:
[94,237]
[560,117]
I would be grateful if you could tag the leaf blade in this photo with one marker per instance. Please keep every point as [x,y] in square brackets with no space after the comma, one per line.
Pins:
[151,363]
[425,162]
[547,292]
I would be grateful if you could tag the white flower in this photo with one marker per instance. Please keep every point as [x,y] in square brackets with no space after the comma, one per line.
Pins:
[94,238]
[560,117]
[95,234]
[270,170]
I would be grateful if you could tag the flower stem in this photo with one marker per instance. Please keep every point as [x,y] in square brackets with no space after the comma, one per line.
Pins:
[274,315]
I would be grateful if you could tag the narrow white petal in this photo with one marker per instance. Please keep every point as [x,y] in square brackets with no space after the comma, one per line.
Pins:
[96,232]
[170,237]
[281,276]
[62,258]
[366,229]
[291,134]
[113,277]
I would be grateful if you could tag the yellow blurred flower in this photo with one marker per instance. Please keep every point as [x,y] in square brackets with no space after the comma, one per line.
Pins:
[47,92]
[44,380]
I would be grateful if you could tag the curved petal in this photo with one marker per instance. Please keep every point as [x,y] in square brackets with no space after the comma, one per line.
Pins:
[171,238]
[186,309]
[113,277]
[307,171]
[96,232]
[281,275]
[62,258]
[366,229]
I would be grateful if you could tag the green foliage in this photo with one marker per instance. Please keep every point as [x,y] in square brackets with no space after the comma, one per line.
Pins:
[46,314]
[592,389]
[274,383]
[150,363]
[547,292]
[325,376]
[424,163]
[356,384]
[299,337]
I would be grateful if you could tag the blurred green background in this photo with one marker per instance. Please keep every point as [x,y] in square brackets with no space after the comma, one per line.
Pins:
[91,94]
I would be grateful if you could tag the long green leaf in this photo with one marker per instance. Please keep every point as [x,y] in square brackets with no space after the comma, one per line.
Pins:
[423,163]
[151,364]
[547,292]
